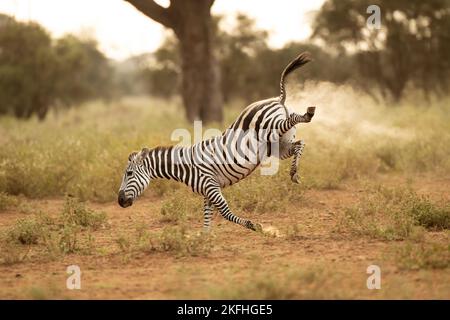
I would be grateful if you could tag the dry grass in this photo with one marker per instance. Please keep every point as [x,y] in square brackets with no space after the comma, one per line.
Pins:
[42,237]
[83,152]
[419,256]
[394,214]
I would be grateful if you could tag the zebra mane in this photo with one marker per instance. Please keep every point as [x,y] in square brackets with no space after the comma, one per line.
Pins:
[302,59]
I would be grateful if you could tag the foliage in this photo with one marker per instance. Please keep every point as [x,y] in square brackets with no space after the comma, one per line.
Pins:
[250,69]
[180,242]
[49,238]
[76,214]
[27,69]
[83,152]
[417,27]
[37,74]
[395,214]
[423,256]
[83,72]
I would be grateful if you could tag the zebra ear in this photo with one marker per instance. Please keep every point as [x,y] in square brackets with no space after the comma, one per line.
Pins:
[130,157]
[144,153]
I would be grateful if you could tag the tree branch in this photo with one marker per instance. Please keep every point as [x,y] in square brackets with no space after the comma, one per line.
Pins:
[211,2]
[153,10]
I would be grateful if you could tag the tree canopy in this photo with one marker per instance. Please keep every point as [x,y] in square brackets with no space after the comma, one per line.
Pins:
[37,72]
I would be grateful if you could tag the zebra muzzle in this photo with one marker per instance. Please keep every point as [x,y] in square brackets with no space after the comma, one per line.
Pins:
[123,201]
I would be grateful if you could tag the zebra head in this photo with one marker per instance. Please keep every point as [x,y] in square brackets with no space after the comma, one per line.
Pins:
[135,179]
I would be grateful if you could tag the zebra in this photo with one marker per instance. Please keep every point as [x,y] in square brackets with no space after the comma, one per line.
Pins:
[265,128]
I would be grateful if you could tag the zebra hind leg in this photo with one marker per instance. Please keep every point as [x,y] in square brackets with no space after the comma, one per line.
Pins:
[297,151]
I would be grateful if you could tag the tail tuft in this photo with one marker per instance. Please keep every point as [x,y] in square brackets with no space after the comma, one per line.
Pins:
[302,59]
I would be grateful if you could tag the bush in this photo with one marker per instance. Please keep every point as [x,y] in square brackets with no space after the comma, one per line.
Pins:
[430,216]
[423,256]
[27,231]
[77,153]
[7,201]
[394,214]
[181,205]
[75,213]
[68,233]
[178,241]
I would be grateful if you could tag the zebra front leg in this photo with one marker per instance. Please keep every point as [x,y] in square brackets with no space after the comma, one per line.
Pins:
[207,214]
[297,151]
[215,196]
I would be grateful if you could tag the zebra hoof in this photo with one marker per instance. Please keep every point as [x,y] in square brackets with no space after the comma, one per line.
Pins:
[295,178]
[254,226]
[258,227]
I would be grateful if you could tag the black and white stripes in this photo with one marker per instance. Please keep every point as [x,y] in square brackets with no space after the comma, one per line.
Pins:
[263,129]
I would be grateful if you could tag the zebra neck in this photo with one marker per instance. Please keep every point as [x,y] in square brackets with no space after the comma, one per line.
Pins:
[170,163]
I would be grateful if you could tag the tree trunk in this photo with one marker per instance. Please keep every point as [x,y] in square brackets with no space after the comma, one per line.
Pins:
[201,90]
[192,23]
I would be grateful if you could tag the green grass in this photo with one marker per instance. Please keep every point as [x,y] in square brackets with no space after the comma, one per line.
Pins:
[75,213]
[173,239]
[83,152]
[26,231]
[182,243]
[180,205]
[7,201]
[49,238]
[413,256]
[394,214]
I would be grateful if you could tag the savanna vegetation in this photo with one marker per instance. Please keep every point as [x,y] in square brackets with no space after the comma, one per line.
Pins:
[374,184]
[375,172]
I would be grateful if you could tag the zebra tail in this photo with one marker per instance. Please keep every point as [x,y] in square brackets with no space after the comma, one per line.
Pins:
[302,59]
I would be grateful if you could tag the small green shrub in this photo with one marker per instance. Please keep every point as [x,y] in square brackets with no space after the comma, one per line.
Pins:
[177,240]
[7,201]
[429,215]
[68,240]
[394,214]
[75,213]
[11,253]
[264,193]
[70,232]
[423,256]
[180,206]
[27,231]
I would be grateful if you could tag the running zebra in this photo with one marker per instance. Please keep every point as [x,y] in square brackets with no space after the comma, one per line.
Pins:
[265,128]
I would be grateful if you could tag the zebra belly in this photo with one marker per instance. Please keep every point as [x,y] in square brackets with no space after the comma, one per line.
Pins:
[232,173]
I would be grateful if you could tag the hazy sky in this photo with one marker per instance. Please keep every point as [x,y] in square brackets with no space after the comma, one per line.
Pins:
[122,31]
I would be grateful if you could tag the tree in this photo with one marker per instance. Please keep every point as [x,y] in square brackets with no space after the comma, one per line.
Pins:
[192,24]
[83,71]
[250,68]
[27,69]
[162,74]
[411,47]
[37,73]
[238,50]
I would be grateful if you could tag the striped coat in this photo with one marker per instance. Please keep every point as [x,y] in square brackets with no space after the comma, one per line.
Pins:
[263,129]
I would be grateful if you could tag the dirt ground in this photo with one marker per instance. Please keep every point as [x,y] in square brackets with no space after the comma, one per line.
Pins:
[239,258]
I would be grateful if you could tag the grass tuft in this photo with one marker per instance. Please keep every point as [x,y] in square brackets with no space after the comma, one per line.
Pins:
[76,213]
[394,214]
[414,256]
[51,238]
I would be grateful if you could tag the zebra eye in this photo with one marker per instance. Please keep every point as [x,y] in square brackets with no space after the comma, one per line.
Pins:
[129,173]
